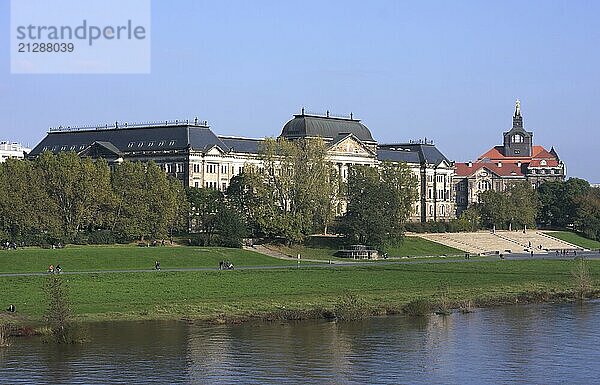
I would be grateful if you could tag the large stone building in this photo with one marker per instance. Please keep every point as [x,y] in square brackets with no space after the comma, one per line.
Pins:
[12,150]
[191,152]
[518,159]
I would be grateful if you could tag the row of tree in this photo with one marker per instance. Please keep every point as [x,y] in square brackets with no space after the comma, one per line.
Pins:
[554,204]
[65,198]
[294,193]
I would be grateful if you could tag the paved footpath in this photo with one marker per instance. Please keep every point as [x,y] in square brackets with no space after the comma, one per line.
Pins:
[334,264]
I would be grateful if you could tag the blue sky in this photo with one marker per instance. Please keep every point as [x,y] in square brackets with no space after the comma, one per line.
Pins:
[445,70]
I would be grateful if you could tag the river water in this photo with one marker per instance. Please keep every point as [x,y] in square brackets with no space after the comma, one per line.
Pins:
[529,344]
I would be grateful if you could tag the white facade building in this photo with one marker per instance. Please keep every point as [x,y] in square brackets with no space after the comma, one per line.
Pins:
[11,150]
[193,153]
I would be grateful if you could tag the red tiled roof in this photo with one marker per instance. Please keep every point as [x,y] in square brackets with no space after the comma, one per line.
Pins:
[549,163]
[495,154]
[507,169]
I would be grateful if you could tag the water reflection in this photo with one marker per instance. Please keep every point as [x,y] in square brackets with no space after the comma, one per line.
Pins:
[523,344]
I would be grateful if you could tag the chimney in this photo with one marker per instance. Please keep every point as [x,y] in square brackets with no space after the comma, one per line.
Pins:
[499,164]
[470,164]
[519,164]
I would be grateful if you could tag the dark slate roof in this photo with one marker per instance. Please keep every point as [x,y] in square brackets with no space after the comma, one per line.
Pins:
[426,153]
[109,146]
[325,127]
[398,156]
[203,139]
[150,138]
[243,145]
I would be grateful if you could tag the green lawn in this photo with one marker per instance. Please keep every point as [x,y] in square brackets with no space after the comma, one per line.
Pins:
[92,258]
[575,239]
[214,294]
[411,247]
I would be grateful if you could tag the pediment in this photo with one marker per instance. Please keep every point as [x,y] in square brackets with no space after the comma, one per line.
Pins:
[349,145]
[215,150]
[101,150]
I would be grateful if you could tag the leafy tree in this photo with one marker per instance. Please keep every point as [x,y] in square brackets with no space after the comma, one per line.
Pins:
[558,201]
[469,220]
[514,207]
[230,226]
[292,192]
[380,201]
[161,200]
[205,205]
[25,207]
[77,187]
[587,217]
[131,208]
[522,205]
[245,200]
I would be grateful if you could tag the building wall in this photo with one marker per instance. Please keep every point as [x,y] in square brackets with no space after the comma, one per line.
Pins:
[10,150]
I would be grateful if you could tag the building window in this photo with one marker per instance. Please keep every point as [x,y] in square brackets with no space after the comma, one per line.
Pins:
[484,185]
[517,151]
[517,138]
[223,186]
[179,167]
[211,168]
[224,169]
[196,184]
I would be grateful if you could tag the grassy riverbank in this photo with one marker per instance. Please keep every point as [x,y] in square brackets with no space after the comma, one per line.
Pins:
[291,293]
[126,257]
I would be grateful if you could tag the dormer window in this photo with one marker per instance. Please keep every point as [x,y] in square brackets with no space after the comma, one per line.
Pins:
[517,138]
[130,144]
[172,143]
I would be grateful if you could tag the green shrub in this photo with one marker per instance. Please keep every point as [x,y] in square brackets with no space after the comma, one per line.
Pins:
[101,237]
[418,307]
[351,307]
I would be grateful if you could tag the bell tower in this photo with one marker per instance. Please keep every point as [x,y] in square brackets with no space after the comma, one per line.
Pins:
[517,141]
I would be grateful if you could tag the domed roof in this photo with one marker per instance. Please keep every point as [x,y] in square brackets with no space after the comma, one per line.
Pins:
[325,127]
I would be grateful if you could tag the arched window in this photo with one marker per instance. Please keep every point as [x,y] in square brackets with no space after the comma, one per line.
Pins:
[517,138]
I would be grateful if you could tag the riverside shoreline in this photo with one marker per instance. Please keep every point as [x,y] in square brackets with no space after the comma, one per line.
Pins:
[343,292]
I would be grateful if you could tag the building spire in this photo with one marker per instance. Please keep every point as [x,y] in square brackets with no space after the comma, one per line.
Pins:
[517,118]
